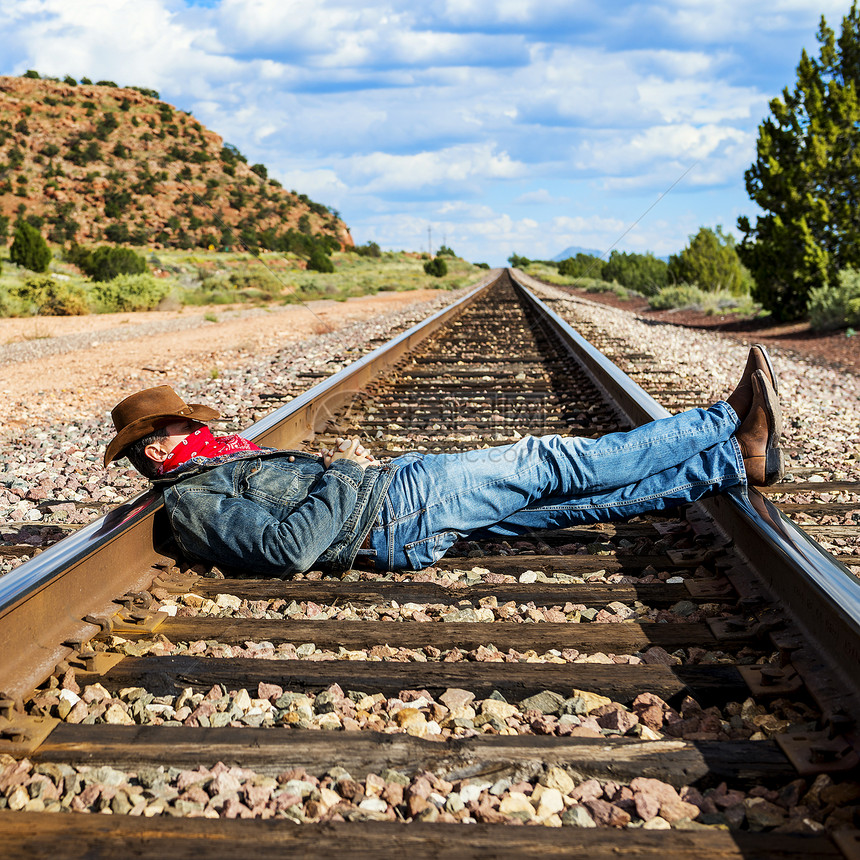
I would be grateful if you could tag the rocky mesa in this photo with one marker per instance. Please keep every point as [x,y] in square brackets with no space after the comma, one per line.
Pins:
[90,163]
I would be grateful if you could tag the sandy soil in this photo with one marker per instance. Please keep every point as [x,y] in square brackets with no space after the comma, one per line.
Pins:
[101,374]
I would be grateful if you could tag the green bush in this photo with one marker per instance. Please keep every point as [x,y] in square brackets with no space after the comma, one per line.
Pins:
[644,273]
[836,306]
[582,266]
[711,261]
[49,298]
[106,262]
[708,302]
[133,292]
[29,249]
[371,249]
[677,296]
[319,261]
[436,267]
[256,278]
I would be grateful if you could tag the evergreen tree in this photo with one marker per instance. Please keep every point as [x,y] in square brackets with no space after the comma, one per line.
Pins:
[711,262]
[29,249]
[644,273]
[436,267]
[806,178]
[582,266]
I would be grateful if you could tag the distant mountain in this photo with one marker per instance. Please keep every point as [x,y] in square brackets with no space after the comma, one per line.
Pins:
[92,162]
[573,250]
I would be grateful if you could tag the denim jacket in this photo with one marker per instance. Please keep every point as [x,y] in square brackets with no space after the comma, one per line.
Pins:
[260,512]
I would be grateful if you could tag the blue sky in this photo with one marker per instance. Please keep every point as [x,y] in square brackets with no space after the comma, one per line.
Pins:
[515,125]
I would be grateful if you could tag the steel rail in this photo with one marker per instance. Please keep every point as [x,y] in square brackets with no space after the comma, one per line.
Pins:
[821,593]
[43,602]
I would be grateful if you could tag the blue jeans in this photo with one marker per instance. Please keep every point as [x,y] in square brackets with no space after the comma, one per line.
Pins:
[551,482]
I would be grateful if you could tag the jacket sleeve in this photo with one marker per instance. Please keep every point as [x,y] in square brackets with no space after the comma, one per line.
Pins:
[238,532]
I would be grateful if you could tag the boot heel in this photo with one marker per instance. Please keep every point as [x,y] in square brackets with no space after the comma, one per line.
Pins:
[774,466]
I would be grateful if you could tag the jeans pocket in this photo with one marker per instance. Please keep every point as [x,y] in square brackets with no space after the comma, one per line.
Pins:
[423,553]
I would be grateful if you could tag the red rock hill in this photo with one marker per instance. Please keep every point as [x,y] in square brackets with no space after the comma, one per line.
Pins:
[93,163]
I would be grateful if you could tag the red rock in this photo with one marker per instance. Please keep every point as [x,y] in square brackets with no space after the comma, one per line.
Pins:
[675,810]
[269,691]
[417,794]
[187,778]
[650,709]
[412,695]
[606,814]
[544,724]
[588,790]
[69,682]
[393,793]
[615,717]
[285,801]
[691,794]
[484,812]
[647,806]
[657,656]
[196,794]
[584,732]
[256,795]
[351,790]
[16,773]
[234,808]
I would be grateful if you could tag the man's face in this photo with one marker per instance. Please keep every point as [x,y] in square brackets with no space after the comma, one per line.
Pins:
[177,433]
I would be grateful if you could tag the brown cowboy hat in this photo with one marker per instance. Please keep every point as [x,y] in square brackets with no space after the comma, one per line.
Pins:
[144,412]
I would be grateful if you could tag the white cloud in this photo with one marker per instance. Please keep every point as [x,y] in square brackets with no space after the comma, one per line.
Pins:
[475,107]
[658,156]
[467,164]
[539,196]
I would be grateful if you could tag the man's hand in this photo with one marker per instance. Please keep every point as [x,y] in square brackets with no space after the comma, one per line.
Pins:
[348,449]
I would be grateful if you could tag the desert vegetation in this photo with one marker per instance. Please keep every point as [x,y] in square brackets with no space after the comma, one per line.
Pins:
[80,280]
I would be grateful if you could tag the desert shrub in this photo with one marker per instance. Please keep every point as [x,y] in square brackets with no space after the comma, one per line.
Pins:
[644,273]
[47,297]
[582,266]
[106,262]
[436,267]
[482,265]
[677,296]
[132,292]
[319,261]
[445,251]
[836,306]
[257,283]
[117,233]
[371,249]
[29,249]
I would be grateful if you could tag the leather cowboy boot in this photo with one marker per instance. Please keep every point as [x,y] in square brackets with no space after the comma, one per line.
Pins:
[759,433]
[742,397]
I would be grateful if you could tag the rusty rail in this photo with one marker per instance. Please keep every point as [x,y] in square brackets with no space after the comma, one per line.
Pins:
[819,591]
[44,602]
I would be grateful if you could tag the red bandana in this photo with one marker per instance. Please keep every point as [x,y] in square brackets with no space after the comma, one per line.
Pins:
[201,443]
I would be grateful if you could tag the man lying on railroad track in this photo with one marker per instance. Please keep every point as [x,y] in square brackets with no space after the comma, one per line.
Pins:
[274,512]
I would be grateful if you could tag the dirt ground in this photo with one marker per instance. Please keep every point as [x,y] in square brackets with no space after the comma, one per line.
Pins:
[98,375]
[834,349]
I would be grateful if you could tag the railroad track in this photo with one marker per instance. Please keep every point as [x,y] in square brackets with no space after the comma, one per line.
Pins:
[678,685]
